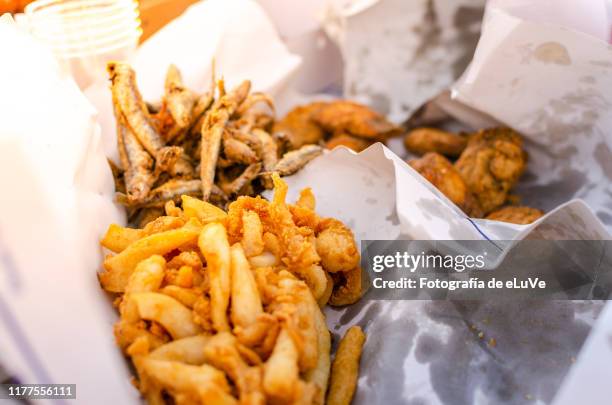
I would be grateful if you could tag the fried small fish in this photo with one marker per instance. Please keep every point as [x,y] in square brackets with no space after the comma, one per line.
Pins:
[248,175]
[355,119]
[294,160]
[237,151]
[138,175]
[212,133]
[516,215]
[423,140]
[178,98]
[132,107]
[268,151]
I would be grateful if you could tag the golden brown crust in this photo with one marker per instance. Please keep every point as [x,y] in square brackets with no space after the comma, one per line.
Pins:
[440,172]
[491,165]
[354,119]
[351,142]
[299,127]
[516,215]
[423,140]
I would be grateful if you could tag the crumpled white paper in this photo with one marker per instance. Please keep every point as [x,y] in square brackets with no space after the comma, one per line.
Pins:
[399,54]
[57,200]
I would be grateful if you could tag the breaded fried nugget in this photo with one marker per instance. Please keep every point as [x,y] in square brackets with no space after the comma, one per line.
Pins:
[440,172]
[354,119]
[423,140]
[491,165]
[299,127]
[516,215]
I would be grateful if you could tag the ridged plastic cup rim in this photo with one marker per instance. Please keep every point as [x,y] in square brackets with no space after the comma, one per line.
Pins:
[85,47]
[70,32]
[61,8]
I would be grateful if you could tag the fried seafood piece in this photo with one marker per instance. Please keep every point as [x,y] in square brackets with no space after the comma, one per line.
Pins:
[295,160]
[345,369]
[336,246]
[492,163]
[298,243]
[132,107]
[516,215]
[212,133]
[423,140]
[179,99]
[298,126]
[136,162]
[347,287]
[351,142]
[223,352]
[354,119]
[440,172]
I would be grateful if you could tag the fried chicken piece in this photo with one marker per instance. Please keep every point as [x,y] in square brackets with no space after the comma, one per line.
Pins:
[491,165]
[354,119]
[516,215]
[351,142]
[298,127]
[440,172]
[423,140]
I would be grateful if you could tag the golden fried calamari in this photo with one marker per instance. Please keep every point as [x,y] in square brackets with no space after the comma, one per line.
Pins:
[225,308]
[440,172]
[491,165]
[516,215]
[423,140]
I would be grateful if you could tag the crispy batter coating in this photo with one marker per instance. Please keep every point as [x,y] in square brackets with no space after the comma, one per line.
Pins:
[336,246]
[351,142]
[347,287]
[423,140]
[299,127]
[345,368]
[491,165]
[440,172]
[354,119]
[516,215]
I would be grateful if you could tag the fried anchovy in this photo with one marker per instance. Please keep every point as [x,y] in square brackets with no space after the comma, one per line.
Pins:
[212,133]
[182,168]
[179,99]
[132,107]
[293,161]
[254,99]
[153,107]
[268,151]
[237,151]
[117,176]
[172,190]
[167,158]
[249,174]
[199,110]
[138,175]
